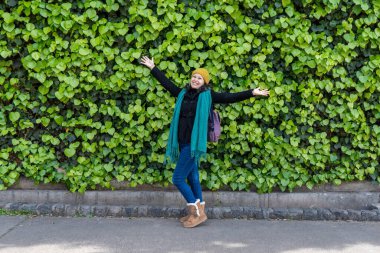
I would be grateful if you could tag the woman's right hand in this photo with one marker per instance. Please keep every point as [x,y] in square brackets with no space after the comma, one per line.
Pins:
[147,62]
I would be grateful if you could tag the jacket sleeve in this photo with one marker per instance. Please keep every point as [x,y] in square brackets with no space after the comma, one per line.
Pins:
[227,98]
[165,82]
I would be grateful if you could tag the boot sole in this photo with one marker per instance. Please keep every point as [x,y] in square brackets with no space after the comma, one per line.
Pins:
[196,224]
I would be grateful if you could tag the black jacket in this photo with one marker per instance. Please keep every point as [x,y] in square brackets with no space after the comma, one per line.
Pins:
[189,104]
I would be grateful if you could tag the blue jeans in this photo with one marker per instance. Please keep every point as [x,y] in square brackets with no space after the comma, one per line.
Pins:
[187,168]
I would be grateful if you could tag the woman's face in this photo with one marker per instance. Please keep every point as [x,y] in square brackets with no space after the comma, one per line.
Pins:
[197,81]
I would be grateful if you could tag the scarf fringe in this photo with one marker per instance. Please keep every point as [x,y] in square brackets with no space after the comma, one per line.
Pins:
[198,155]
[173,157]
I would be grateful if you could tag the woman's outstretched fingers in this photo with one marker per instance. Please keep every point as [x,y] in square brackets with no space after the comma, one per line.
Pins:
[265,92]
[144,60]
[147,62]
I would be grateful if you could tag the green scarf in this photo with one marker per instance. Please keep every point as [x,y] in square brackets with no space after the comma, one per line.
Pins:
[200,128]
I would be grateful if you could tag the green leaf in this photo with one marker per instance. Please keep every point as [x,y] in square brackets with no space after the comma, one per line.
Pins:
[61,66]
[362,78]
[111,131]
[289,10]
[69,152]
[78,132]
[8,18]
[81,160]
[286,3]
[333,157]
[58,120]
[310,185]
[91,135]
[103,29]
[151,110]
[349,37]
[199,45]
[67,25]
[5,53]
[224,75]
[9,27]
[4,156]
[14,116]
[91,13]
[120,178]
[294,141]
[84,51]
[136,55]
[96,41]
[36,56]
[129,38]
[249,37]
[66,6]
[45,121]
[355,113]
[229,9]
[29,63]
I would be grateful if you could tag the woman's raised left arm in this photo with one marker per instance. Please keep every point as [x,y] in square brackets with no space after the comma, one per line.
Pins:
[227,98]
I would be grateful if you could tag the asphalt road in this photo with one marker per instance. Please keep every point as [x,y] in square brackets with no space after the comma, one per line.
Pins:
[22,234]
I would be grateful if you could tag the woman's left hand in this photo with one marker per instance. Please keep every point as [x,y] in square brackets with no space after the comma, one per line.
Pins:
[260,92]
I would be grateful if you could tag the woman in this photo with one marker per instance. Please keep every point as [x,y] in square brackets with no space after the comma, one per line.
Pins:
[187,141]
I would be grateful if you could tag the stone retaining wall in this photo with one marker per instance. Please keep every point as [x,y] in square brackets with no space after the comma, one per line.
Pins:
[212,212]
[350,201]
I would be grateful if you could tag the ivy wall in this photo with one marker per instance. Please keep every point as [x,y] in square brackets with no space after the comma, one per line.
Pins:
[76,106]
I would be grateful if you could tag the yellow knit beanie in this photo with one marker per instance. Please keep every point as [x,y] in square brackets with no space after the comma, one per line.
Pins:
[204,73]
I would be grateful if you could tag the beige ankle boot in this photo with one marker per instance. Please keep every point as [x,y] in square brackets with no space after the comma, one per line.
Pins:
[183,219]
[195,218]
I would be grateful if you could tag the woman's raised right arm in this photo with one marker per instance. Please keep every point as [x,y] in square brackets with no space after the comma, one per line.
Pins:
[160,76]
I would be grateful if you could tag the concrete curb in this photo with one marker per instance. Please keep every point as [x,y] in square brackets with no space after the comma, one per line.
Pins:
[358,186]
[339,200]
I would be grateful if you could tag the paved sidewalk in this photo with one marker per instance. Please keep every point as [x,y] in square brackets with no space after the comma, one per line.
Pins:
[22,234]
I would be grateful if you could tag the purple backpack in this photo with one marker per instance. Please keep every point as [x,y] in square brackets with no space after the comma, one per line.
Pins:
[214,128]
